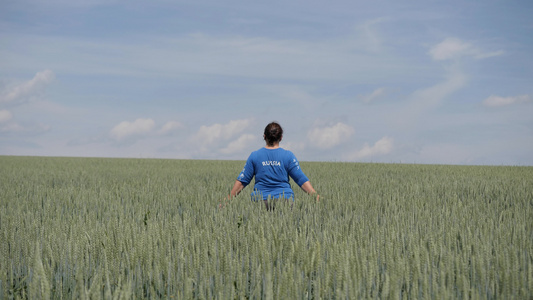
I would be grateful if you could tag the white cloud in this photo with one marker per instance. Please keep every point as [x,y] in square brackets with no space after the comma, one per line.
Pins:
[494,101]
[5,116]
[449,48]
[170,127]
[383,146]
[209,135]
[376,94]
[452,48]
[126,130]
[26,90]
[240,144]
[329,137]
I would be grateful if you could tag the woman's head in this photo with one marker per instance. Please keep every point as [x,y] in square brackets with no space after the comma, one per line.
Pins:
[273,133]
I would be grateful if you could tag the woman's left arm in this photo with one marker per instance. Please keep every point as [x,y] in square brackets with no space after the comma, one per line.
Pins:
[308,188]
[237,188]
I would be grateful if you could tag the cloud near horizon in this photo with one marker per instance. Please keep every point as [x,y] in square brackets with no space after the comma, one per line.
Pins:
[212,134]
[384,146]
[229,138]
[171,127]
[126,130]
[331,136]
[239,144]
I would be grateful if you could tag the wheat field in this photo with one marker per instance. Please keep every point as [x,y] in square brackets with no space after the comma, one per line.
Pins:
[102,228]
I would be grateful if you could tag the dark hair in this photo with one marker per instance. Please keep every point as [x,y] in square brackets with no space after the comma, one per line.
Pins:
[273,133]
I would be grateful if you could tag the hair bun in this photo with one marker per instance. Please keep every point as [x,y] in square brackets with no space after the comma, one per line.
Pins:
[273,133]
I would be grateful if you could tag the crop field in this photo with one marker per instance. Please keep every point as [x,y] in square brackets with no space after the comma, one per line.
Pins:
[91,228]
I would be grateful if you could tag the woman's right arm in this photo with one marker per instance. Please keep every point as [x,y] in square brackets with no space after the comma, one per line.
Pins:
[296,173]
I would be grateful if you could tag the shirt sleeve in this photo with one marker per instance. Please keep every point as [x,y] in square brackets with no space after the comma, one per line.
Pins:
[295,171]
[247,173]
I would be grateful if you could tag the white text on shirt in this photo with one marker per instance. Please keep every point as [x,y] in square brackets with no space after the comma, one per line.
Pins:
[271,163]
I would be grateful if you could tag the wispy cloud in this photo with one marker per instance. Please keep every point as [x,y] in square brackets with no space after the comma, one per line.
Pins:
[6,123]
[5,116]
[495,101]
[376,94]
[24,91]
[424,101]
[12,127]
[17,94]
[426,97]
[454,48]
[203,54]
[369,36]
[127,131]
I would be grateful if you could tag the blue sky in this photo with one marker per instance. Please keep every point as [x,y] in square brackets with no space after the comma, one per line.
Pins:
[366,81]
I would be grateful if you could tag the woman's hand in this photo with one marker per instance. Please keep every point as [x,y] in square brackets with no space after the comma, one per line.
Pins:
[224,202]
[308,188]
[237,188]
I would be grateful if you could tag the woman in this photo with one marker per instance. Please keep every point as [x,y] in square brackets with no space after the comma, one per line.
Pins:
[272,166]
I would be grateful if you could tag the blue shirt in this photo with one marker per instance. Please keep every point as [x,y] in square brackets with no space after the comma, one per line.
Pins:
[272,169]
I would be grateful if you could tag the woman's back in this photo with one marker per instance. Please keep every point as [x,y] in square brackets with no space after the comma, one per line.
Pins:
[272,169]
